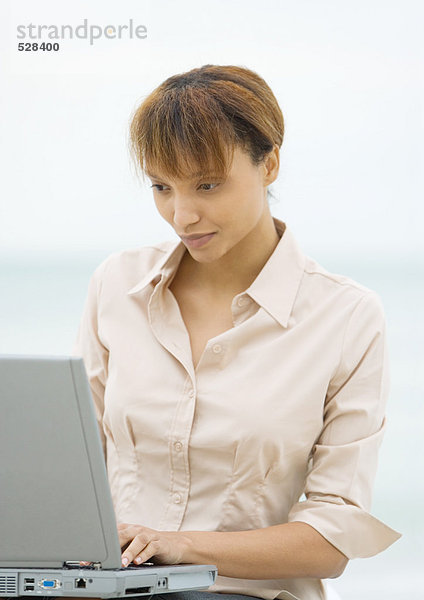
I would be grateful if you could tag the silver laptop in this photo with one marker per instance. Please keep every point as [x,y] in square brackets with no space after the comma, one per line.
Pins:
[55,504]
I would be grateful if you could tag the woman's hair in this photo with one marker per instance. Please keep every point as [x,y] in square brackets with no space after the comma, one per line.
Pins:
[193,121]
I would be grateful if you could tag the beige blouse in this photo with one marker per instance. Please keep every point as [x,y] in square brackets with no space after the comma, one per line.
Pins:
[280,421]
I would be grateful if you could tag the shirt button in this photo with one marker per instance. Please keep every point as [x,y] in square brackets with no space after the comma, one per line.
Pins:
[178,446]
[241,301]
[191,394]
[177,498]
[216,348]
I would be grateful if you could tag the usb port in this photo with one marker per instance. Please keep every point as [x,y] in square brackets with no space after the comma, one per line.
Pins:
[29,583]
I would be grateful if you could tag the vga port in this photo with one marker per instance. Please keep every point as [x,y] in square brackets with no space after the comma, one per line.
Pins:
[49,584]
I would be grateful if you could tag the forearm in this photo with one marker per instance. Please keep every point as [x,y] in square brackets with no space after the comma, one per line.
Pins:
[283,551]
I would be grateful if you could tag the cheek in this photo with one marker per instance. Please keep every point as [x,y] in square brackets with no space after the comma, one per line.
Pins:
[163,209]
[246,208]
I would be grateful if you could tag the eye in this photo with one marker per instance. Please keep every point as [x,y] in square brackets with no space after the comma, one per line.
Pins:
[159,187]
[208,184]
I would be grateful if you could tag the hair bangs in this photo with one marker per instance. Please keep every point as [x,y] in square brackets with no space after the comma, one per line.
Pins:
[182,134]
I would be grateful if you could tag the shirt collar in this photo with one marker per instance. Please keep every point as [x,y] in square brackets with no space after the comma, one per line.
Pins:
[276,286]
[164,268]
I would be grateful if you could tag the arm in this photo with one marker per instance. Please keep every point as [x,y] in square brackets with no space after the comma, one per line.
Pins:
[338,487]
[88,345]
[289,550]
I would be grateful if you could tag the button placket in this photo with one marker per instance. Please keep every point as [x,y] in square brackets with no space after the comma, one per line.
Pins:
[178,448]
[161,303]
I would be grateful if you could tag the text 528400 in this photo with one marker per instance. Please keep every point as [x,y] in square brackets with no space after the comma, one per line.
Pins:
[36,47]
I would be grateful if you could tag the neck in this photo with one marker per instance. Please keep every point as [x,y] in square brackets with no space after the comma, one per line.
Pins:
[239,267]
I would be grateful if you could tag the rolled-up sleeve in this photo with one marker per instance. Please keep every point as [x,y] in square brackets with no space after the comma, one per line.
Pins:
[339,483]
[88,345]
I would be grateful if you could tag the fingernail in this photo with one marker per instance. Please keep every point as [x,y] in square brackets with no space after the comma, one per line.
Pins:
[125,562]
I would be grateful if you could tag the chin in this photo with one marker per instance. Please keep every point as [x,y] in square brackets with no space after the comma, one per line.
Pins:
[198,257]
[206,256]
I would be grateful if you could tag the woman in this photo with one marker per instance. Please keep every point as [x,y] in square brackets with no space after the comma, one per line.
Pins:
[231,373]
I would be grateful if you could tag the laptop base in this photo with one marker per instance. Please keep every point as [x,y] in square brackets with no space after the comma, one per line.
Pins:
[119,583]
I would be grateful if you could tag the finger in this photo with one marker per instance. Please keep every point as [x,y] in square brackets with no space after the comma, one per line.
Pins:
[132,550]
[126,534]
[138,544]
[144,555]
[129,532]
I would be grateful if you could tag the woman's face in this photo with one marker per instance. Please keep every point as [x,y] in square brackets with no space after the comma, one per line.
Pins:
[211,215]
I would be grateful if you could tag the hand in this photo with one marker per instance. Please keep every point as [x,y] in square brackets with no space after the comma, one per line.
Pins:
[142,543]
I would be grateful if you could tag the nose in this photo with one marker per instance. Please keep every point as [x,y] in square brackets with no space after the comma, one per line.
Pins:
[185,211]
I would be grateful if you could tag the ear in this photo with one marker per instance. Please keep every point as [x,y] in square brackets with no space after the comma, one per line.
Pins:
[271,165]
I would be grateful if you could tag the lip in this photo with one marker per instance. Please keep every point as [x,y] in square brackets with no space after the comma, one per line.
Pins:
[197,240]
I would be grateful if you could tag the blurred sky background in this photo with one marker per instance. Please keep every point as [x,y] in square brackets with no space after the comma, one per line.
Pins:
[349,77]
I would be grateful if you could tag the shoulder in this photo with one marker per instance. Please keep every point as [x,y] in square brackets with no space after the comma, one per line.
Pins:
[337,298]
[319,275]
[128,266]
[318,278]
[312,290]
